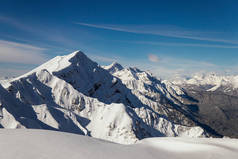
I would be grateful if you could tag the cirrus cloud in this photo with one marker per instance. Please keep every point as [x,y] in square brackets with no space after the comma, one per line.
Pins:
[13,52]
[166,31]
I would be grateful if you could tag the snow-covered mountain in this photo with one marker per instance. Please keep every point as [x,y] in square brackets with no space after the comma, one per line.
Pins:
[211,82]
[38,144]
[216,97]
[74,94]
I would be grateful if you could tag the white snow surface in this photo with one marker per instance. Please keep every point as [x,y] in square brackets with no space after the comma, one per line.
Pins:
[44,144]
[212,79]
[5,82]
[74,94]
[114,67]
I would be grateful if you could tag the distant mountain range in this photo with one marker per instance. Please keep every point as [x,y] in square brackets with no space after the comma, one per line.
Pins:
[217,100]
[74,94]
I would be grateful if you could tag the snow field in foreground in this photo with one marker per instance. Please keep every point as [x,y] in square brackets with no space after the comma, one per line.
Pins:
[44,144]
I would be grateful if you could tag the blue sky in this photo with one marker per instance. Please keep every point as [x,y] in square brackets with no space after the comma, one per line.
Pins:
[166,37]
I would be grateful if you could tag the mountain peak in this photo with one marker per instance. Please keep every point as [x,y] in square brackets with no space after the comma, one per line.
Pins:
[76,55]
[114,67]
[62,62]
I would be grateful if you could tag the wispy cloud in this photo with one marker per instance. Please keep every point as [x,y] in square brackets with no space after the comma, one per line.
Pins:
[167,31]
[184,44]
[153,58]
[12,72]
[12,52]
[16,23]
[44,32]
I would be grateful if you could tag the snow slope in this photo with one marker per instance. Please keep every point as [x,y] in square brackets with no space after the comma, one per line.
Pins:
[163,97]
[39,144]
[5,82]
[72,93]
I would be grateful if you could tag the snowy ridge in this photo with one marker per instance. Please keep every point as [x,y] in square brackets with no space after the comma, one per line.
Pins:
[74,94]
[211,79]
[114,67]
[5,82]
[28,144]
[161,96]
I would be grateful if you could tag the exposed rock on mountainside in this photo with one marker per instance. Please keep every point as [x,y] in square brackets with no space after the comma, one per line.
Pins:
[217,101]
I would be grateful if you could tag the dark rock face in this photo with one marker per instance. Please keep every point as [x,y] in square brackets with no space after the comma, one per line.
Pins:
[217,109]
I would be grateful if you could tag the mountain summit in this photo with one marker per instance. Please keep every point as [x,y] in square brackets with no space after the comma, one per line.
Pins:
[114,67]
